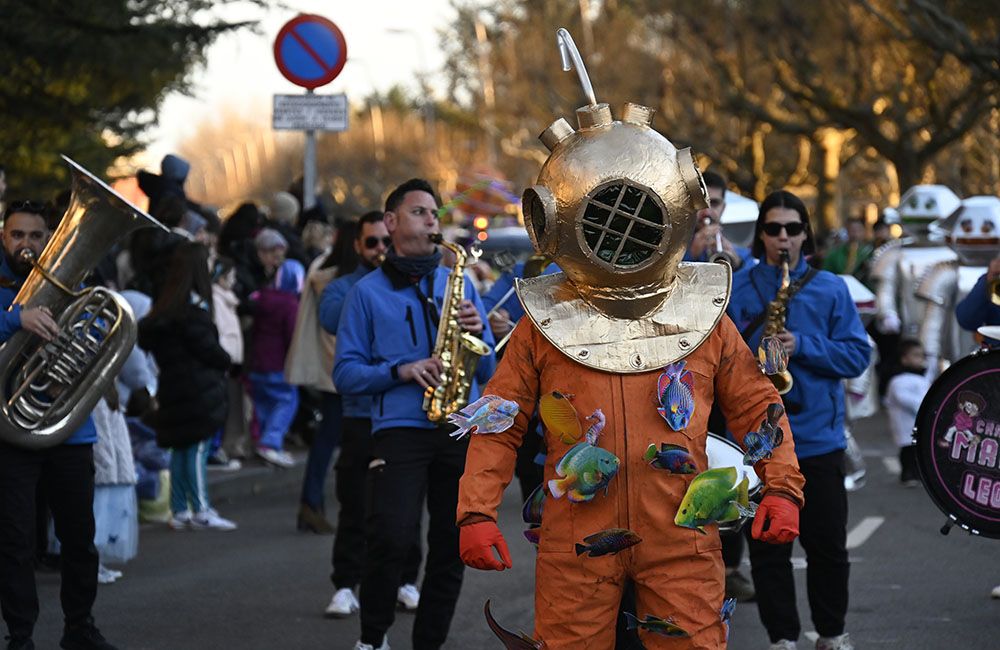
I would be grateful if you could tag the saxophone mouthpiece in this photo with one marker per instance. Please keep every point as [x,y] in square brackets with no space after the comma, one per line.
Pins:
[435,237]
[26,255]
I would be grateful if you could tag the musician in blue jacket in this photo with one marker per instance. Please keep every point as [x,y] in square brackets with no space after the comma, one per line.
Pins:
[977,308]
[65,472]
[385,341]
[826,343]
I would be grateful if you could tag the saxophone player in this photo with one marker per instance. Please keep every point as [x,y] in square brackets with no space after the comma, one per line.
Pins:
[385,342]
[826,343]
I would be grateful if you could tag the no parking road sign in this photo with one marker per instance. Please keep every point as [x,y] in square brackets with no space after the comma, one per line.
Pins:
[310,51]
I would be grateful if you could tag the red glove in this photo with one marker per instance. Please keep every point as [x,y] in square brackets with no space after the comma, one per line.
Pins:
[781,517]
[476,543]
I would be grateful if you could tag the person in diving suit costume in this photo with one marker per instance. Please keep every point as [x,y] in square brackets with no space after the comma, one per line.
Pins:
[614,207]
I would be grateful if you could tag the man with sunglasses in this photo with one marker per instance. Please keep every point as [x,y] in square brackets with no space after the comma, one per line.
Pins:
[826,343]
[385,342]
[708,230]
[65,472]
[371,243]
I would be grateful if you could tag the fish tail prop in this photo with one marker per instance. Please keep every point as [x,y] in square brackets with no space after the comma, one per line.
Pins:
[508,638]
[558,486]
[650,450]
[631,622]
[743,493]
[581,549]
[461,422]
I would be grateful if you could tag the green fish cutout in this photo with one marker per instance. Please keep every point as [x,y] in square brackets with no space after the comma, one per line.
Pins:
[583,471]
[713,497]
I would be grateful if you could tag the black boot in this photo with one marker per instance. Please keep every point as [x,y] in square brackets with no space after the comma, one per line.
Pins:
[909,475]
[84,636]
[20,643]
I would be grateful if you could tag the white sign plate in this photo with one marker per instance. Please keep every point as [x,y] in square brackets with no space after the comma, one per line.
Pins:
[310,112]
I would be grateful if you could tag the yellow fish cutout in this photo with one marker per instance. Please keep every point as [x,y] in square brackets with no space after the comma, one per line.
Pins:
[559,417]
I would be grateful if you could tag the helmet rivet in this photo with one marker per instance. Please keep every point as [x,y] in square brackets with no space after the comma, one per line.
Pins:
[583,354]
[546,322]
[636,361]
[684,343]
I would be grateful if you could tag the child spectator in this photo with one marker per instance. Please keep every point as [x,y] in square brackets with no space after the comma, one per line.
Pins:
[903,396]
[191,395]
[227,321]
[275,400]
[116,516]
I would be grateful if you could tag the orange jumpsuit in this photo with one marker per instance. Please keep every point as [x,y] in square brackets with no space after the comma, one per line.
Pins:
[677,571]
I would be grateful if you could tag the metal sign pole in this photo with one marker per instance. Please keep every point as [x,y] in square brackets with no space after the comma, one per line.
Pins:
[309,169]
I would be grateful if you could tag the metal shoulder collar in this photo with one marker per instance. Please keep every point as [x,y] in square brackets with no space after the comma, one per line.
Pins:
[604,342]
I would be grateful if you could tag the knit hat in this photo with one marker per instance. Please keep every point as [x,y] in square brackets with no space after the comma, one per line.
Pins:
[284,208]
[174,167]
[291,274]
[269,239]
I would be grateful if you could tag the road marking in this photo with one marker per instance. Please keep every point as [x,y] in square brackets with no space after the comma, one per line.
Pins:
[860,533]
[892,465]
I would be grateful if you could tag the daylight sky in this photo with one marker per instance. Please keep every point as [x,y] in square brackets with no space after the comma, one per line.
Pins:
[388,42]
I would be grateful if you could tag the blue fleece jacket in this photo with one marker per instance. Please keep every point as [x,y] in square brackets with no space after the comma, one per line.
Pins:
[384,325]
[10,323]
[503,284]
[977,309]
[331,305]
[831,345]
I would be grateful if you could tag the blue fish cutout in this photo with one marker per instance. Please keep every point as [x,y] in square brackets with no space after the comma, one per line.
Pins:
[672,458]
[726,614]
[675,389]
[761,443]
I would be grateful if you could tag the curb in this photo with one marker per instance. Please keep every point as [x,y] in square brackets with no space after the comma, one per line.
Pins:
[255,479]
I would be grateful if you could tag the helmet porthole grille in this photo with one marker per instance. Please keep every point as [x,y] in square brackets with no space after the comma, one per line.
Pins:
[622,224]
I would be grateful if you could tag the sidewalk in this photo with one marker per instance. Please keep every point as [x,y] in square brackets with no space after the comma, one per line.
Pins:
[256,478]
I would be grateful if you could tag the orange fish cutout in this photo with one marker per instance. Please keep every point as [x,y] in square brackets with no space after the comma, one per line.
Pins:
[560,417]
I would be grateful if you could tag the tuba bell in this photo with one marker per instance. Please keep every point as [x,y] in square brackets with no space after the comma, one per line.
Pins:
[48,388]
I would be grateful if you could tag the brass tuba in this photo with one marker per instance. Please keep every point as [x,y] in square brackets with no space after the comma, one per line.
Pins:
[458,350]
[47,389]
[771,353]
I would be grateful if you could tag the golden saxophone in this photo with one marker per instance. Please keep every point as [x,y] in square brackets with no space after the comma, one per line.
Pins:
[458,350]
[772,354]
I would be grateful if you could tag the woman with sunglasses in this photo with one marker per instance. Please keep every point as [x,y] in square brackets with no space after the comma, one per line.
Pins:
[826,343]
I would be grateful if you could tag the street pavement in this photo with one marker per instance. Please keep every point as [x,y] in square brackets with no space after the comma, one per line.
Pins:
[265,585]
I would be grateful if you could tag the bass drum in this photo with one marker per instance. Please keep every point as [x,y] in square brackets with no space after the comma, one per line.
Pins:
[957,435]
[723,453]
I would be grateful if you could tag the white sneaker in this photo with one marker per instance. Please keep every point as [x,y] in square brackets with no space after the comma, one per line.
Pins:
[180,520]
[210,520]
[342,605]
[996,592]
[106,576]
[783,644]
[842,642]
[368,646]
[275,457]
[408,597]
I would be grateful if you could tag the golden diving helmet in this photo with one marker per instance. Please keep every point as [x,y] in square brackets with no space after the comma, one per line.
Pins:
[615,205]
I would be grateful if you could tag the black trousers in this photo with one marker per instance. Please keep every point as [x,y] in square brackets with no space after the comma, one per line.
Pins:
[66,474]
[349,542]
[823,535]
[410,464]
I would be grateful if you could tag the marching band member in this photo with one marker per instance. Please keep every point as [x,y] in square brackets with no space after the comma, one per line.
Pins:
[385,341]
[826,343]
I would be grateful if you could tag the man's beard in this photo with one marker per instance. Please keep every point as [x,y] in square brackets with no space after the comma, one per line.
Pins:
[20,267]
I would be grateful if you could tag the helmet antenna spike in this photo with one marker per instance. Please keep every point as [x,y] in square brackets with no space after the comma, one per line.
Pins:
[571,59]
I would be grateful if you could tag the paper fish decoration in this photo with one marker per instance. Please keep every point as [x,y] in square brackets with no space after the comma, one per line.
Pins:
[583,471]
[531,512]
[726,613]
[675,389]
[510,640]
[488,414]
[713,497]
[655,624]
[559,417]
[672,458]
[608,542]
[595,429]
[760,444]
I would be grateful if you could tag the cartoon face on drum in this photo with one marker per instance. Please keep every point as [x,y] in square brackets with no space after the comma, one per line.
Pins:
[970,404]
